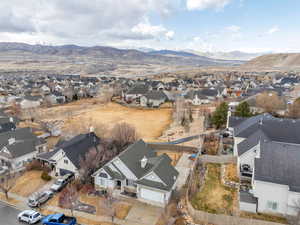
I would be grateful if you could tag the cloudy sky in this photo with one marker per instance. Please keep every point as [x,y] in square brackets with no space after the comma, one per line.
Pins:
[201,25]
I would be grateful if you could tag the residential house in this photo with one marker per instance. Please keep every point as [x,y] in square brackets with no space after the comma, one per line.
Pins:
[19,147]
[153,99]
[66,156]
[268,151]
[139,171]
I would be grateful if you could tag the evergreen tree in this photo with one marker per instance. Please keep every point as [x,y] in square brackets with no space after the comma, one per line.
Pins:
[219,117]
[243,110]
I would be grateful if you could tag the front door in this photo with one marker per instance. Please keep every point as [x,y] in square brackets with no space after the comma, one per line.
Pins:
[119,183]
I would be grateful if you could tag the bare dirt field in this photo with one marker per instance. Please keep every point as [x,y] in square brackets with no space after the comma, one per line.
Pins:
[150,123]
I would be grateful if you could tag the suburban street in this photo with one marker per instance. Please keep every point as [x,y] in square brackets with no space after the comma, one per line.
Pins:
[8,215]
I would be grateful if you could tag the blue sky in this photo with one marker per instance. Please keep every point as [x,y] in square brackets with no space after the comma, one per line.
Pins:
[200,25]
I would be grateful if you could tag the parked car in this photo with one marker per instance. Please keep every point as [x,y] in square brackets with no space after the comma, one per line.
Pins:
[62,182]
[59,219]
[39,198]
[29,216]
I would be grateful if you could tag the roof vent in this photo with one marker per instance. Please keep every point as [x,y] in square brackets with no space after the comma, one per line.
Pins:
[144,162]
[11,119]
[11,141]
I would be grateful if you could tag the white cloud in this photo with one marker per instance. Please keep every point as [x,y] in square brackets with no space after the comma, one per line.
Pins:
[206,4]
[82,22]
[273,30]
[152,31]
[233,28]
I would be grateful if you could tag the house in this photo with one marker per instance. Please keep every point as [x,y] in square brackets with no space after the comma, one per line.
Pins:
[268,152]
[30,102]
[139,172]
[18,147]
[153,99]
[137,91]
[66,156]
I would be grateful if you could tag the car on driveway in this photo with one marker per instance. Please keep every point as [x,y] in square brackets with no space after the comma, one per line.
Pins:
[39,198]
[62,182]
[29,216]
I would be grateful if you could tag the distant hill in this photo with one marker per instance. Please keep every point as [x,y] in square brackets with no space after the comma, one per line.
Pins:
[233,55]
[173,53]
[275,60]
[115,55]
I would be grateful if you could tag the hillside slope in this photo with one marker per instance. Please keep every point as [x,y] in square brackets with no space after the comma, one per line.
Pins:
[275,60]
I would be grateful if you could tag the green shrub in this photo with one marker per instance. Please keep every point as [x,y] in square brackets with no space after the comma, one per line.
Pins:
[45,176]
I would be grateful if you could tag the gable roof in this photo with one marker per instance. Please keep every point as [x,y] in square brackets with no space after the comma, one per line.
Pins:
[155,95]
[279,163]
[20,134]
[251,142]
[77,147]
[235,121]
[20,148]
[132,156]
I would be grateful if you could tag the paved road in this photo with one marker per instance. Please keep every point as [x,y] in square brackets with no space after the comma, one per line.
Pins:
[8,215]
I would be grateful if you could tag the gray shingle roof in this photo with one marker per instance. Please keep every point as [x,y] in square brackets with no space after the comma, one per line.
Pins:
[160,165]
[132,156]
[279,163]
[250,142]
[235,121]
[76,148]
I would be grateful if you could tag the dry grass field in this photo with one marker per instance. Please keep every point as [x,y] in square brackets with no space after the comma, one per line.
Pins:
[215,197]
[28,183]
[150,123]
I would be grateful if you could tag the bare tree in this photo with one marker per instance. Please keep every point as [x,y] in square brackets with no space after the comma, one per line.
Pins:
[269,101]
[295,220]
[108,205]
[178,112]
[68,198]
[8,182]
[89,163]
[123,134]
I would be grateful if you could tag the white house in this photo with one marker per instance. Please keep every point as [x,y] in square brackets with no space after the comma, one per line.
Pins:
[66,156]
[268,151]
[19,147]
[139,172]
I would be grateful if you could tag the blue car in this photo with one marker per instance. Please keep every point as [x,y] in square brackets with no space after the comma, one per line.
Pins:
[59,219]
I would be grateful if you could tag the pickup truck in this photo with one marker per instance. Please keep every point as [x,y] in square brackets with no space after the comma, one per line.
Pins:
[59,219]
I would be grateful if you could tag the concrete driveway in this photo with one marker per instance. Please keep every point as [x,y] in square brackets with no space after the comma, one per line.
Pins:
[144,214]
[183,167]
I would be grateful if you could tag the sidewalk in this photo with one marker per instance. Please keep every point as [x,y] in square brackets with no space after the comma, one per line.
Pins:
[23,206]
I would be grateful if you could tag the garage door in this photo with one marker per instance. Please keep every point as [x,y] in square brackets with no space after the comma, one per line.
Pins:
[152,195]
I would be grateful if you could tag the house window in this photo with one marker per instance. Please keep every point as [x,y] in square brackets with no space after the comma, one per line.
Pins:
[272,205]
[66,161]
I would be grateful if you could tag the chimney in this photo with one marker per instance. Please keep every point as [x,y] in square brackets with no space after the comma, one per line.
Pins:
[261,121]
[11,141]
[144,162]
[11,119]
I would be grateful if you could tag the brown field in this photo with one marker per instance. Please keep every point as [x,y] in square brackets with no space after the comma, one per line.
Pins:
[122,208]
[28,183]
[215,197]
[231,172]
[150,123]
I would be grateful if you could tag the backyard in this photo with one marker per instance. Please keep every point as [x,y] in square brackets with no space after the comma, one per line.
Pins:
[213,196]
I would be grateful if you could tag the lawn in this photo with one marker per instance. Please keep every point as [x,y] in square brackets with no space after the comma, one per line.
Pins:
[28,183]
[215,197]
[122,208]
[231,172]
[150,123]
[267,217]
